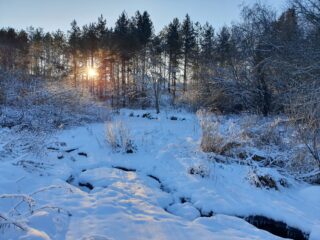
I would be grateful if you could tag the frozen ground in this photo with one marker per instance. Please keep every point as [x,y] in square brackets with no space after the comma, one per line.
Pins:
[78,187]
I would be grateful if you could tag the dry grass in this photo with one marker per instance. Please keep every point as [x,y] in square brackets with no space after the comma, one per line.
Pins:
[216,140]
[262,180]
[119,137]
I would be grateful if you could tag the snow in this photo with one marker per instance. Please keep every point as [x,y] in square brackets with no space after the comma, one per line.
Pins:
[184,210]
[149,194]
[232,226]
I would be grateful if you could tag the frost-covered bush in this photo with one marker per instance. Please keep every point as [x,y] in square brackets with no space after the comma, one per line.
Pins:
[253,139]
[269,133]
[44,106]
[216,137]
[119,137]
[213,141]
[36,108]
[266,180]
[262,180]
[20,208]
[304,112]
[236,134]
[302,163]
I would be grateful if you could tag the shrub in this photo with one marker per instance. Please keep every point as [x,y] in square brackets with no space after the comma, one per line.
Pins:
[118,137]
[18,217]
[35,108]
[262,180]
[45,106]
[270,133]
[304,112]
[215,138]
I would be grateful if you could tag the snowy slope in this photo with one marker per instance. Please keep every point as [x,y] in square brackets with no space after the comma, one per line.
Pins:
[148,194]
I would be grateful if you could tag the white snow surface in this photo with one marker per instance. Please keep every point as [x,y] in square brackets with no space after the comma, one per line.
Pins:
[156,199]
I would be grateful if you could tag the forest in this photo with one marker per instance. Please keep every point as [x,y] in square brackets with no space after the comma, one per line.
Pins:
[99,110]
[265,64]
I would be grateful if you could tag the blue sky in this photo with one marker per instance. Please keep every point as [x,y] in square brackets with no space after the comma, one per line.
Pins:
[54,14]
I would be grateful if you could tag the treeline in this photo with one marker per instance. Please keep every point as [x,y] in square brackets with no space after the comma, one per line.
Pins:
[267,63]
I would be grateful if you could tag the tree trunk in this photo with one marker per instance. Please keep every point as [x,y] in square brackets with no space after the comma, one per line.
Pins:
[118,84]
[169,77]
[75,71]
[174,83]
[185,73]
[143,68]
[265,95]
[123,83]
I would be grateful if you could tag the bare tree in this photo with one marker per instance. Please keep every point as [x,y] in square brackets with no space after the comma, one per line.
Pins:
[304,110]
[310,9]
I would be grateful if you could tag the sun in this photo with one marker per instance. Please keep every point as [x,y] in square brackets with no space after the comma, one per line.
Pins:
[92,72]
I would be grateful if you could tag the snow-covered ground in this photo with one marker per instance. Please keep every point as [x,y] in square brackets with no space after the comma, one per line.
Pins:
[79,187]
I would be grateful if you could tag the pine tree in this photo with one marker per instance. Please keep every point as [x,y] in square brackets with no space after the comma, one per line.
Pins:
[48,54]
[144,33]
[60,57]
[205,64]
[207,43]
[189,43]
[224,46]
[121,36]
[91,41]
[74,47]
[36,50]
[23,48]
[174,45]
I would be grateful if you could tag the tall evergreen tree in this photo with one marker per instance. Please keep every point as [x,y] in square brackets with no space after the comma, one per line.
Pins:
[74,41]
[23,48]
[174,45]
[207,43]
[60,56]
[189,43]
[224,46]
[144,34]
[123,46]
[36,50]
[90,41]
